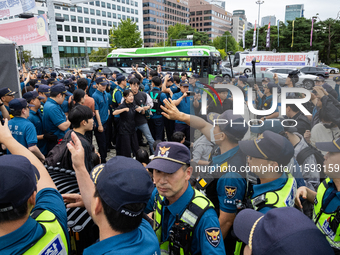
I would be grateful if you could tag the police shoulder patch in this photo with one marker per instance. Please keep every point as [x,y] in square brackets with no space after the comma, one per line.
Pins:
[230,191]
[213,236]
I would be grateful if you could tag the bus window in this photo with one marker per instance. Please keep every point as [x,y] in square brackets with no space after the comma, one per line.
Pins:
[184,64]
[124,62]
[236,59]
[152,62]
[169,64]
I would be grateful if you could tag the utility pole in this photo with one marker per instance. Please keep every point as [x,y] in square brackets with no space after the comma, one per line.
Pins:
[259,2]
[53,33]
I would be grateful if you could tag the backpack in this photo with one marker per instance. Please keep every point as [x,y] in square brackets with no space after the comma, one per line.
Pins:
[59,152]
[308,151]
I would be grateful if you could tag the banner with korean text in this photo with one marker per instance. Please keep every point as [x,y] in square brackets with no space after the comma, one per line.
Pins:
[15,7]
[27,31]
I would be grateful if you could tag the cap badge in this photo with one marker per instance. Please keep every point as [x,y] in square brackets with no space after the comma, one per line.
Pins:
[163,152]
[96,171]
[258,139]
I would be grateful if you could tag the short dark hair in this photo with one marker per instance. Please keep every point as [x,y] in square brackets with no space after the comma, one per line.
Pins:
[32,83]
[175,73]
[82,83]
[126,92]
[78,94]
[142,156]
[293,107]
[177,136]
[184,74]
[16,113]
[176,78]
[15,214]
[323,116]
[137,76]
[120,222]
[27,89]
[78,114]
[54,94]
[153,73]
[156,81]
[134,80]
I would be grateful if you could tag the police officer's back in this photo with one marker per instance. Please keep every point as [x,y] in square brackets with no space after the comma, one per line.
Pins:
[22,193]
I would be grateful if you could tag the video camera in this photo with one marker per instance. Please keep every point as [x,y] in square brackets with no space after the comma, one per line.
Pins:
[97,68]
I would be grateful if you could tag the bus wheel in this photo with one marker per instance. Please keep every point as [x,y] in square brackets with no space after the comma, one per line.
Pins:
[247,70]
[332,71]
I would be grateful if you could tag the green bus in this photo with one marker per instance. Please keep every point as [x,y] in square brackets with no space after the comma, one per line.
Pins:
[203,60]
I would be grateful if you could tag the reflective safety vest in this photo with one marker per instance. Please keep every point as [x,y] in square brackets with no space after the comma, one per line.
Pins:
[54,240]
[283,197]
[115,104]
[191,215]
[322,219]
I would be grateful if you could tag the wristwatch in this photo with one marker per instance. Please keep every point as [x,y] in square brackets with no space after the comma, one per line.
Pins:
[1,104]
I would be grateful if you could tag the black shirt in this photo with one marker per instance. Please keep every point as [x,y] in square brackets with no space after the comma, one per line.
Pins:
[127,123]
[140,100]
[227,104]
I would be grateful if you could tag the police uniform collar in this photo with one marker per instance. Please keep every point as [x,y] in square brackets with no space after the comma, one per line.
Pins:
[181,203]
[219,159]
[269,186]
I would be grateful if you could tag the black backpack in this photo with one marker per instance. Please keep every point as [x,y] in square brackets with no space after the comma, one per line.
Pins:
[59,152]
[308,151]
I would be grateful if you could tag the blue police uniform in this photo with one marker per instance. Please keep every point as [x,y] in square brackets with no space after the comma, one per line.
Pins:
[200,243]
[23,131]
[91,88]
[53,117]
[36,119]
[64,105]
[118,96]
[21,239]
[101,104]
[231,186]
[184,106]
[141,240]
[259,189]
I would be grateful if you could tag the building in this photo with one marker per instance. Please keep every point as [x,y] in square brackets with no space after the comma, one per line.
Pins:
[249,26]
[209,17]
[294,11]
[239,19]
[265,21]
[85,26]
[158,15]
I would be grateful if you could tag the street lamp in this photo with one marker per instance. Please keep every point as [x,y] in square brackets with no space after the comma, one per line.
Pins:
[259,2]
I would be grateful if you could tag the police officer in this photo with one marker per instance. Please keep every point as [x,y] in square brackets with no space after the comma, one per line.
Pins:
[33,218]
[6,95]
[178,206]
[222,187]
[326,213]
[35,116]
[22,129]
[242,83]
[54,119]
[115,198]
[266,100]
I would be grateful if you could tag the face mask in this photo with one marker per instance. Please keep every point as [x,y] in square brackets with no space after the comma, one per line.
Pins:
[212,136]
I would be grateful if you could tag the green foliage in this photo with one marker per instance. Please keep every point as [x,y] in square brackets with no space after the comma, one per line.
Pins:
[220,43]
[222,52]
[126,35]
[99,55]
[302,29]
[26,54]
[180,31]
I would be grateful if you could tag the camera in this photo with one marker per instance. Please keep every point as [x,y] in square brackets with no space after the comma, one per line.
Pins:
[190,93]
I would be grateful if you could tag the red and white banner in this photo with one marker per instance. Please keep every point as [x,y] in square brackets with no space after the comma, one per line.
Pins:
[15,7]
[27,31]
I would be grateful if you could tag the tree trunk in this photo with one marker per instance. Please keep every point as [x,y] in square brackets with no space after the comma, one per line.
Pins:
[329,45]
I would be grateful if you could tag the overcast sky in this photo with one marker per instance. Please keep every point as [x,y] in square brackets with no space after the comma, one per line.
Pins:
[325,8]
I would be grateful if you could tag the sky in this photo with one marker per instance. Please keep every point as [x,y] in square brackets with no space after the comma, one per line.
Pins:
[325,8]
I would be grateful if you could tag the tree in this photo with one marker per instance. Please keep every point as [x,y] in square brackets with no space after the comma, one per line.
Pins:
[180,31]
[220,43]
[126,35]
[26,55]
[99,55]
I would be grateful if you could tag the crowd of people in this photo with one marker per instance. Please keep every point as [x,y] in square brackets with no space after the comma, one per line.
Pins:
[201,184]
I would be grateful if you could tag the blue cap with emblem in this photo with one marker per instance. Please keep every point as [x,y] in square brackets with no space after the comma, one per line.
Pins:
[120,78]
[122,181]
[6,92]
[169,157]
[232,124]
[31,95]
[101,81]
[184,84]
[18,181]
[18,104]
[333,146]
[60,88]
[281,231]
[270,146]
[44,89]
